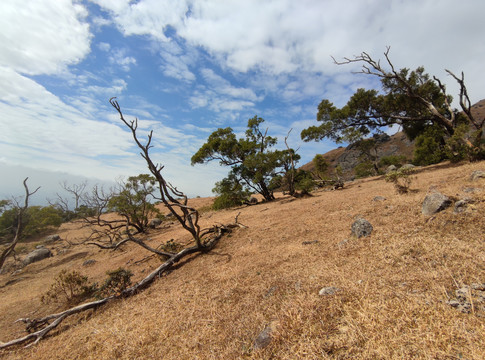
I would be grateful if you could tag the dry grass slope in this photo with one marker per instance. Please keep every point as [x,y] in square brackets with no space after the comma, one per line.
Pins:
[392,305]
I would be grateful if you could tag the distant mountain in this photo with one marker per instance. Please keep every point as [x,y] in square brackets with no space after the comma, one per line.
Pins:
[348,157]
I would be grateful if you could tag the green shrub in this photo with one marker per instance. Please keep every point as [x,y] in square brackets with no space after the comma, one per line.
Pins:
[230,193]
[70,288]
[401,179]
[117,281]
[396,160]
[304,181]
[364,169]
[429,147]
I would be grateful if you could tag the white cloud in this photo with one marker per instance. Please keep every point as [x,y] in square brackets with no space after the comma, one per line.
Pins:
[104,46]
[281,37]
[42,37]
[47,129]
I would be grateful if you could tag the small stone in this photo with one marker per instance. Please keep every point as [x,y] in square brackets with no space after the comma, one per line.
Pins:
[391,168]
[271,291]
[407,167]
[471,190]
[460,205]
[463,293]
[264,338]
[253,200]
[329,290]
[310,242]
[154,223]
[342,243]
[480,287]
[454,303]
[89,262]
[361,228]
[52,238]
[477,174]
[379,198]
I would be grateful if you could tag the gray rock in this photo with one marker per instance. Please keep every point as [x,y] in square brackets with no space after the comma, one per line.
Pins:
[36,255]
[477,174]
[407,167]
[391,168]
[471,190]
[361,228]
[460,205]
[379,198]
[477,286]
[89,262]
[434,203]
[329,290]
[52,238]
[154,223]
[253,200]
[265,336]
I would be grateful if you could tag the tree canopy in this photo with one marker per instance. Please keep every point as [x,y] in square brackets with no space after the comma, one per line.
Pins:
[411,99]
[253,163]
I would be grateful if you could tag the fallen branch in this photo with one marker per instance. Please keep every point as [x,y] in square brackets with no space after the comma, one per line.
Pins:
[46,327]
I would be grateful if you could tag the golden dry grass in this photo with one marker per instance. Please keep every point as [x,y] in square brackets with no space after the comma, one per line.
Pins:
[394,284]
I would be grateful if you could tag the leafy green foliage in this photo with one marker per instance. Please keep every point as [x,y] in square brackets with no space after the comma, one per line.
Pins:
[230,193]
[70,288]
[304,181]
[36,219]
[364,169]
[133,201]
[321,167]
[429,147]
[117,281]
[401,179]
[396,160]
[411,99]
[251,159]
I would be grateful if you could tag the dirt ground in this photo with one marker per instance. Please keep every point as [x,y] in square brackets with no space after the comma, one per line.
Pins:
[391,302]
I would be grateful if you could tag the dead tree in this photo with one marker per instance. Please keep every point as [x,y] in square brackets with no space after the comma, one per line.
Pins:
[204,241]
[20,224]
[445,117]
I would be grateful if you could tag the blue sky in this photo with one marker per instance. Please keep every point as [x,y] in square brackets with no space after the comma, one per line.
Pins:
[185,68]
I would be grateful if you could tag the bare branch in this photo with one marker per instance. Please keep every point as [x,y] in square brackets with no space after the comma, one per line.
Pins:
[20,225]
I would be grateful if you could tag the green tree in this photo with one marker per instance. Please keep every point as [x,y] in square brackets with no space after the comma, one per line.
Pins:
[320,167]
[251,159]
[230,193]
[429,147]
[133,201]
[411,99]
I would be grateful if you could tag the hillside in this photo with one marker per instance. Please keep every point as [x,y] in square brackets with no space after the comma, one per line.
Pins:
[348,157]
[391,302]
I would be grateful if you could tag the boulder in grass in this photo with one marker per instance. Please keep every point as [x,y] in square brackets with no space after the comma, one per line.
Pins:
[434,203]
[154,223]
[52,238]
[361,228]
[477,174]
[36,255]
